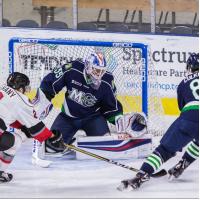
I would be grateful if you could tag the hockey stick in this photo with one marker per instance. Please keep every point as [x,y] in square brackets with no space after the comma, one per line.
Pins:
[38,150]
[36,160]
[161,173]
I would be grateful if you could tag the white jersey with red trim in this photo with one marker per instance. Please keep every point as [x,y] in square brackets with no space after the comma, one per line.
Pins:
[16,111]
[16,108]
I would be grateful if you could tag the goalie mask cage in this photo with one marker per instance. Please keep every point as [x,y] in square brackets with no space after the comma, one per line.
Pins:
[129,62]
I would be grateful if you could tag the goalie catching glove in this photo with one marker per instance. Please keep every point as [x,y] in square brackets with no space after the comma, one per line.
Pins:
[134,124]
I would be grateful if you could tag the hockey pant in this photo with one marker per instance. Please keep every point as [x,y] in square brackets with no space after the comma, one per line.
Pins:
[6,157]
[95,125]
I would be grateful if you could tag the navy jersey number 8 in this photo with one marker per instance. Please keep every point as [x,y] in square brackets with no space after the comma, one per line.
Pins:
[194,86]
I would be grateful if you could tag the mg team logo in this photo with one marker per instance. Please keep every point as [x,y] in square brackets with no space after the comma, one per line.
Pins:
[82,98]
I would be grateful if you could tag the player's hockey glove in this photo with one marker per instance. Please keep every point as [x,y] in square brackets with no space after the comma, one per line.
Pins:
[5,177]
[135,183]
[55,144]
[178,169]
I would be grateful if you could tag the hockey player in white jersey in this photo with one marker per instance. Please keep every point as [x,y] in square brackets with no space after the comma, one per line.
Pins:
[17,111]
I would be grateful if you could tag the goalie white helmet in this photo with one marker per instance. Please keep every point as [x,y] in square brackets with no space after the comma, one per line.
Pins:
[95,68]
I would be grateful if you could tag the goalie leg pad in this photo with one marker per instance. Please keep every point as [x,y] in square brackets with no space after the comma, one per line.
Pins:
[7,140]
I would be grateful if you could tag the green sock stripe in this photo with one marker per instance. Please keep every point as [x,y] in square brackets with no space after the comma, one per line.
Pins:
[150,163]
[153,161]
[157,158]
[192,153]
[194,146]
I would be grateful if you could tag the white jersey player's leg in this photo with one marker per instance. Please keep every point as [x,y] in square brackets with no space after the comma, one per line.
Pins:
[7,156]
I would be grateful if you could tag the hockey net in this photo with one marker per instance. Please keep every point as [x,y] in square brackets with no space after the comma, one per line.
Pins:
[36,58]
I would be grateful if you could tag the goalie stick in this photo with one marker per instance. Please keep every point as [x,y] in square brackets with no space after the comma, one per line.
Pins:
[160,173]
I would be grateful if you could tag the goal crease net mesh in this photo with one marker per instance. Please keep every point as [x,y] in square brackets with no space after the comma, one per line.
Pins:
[36,58]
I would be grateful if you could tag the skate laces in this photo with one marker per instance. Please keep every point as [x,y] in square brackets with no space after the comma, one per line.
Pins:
[179,165]
[143,176]
[182,164]
[178,169]
[140,178]
[134,183]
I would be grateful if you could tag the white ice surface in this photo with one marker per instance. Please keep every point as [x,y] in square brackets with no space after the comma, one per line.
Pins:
[91,179]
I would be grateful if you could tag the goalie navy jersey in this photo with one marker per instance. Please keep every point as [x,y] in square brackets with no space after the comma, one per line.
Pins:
[188,97]
[81,100]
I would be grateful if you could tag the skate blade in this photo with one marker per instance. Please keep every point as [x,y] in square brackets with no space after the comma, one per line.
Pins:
[171,177]
[40,162]
[121,187]
[124,188]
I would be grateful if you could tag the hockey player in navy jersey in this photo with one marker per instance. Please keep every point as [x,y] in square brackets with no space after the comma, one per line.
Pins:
[90,98]
[184,130]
